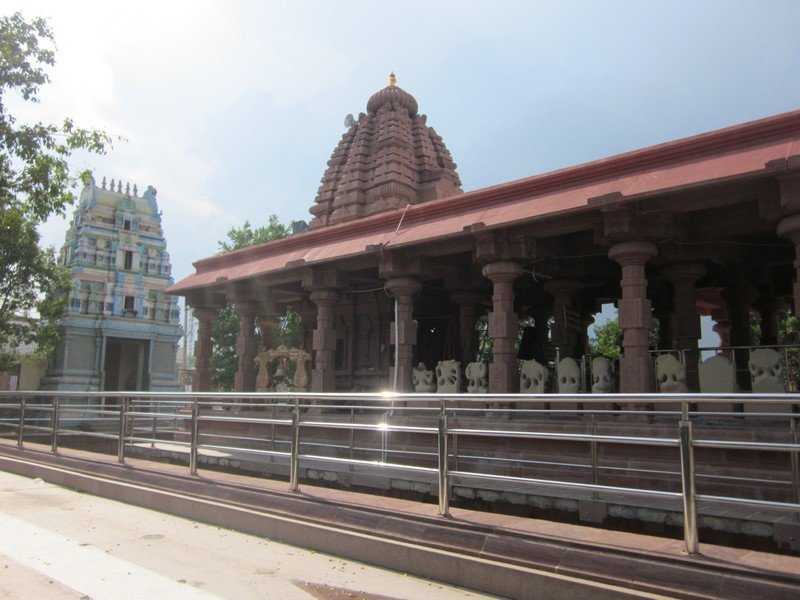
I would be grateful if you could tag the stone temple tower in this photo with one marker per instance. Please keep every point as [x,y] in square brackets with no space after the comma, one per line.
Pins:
[387,159]
[121,330]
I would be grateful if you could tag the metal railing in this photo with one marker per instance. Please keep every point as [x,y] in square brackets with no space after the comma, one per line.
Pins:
[305,411]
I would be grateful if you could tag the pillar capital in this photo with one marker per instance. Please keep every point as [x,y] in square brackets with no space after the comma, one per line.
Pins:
[205,314]
[502,271]
[789,227]
[632,253]
[684,272]
[402,287]
[324,297]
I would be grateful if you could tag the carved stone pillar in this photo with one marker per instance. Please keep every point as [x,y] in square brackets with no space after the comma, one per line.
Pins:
[740,299]
[323,377]
[246,348]
[201,382]
[769,310]
[403,289]
[685,317]
[565,333]
[503,326]
[789,227]
[636,374]
[468,306]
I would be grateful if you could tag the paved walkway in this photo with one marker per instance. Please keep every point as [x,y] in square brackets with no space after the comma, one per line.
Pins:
[59,544]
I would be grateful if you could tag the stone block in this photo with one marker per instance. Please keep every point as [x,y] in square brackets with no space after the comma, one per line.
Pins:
[592,511]
[786,533]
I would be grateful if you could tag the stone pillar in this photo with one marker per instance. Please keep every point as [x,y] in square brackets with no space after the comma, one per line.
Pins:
[323,377]
[246,348]
[468,305]
[503,327]
[636,370]
[739,299]
[769,310]
[201,382]
[565,333]
[403,289]
[789,227]
[685,318]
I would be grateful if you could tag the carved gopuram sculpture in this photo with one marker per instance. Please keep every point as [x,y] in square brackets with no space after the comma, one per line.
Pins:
[767,371]
[533,377]
[477,378]
[602,375]
[281,379]
[448,377]
[422,379]
[717,375]
[569,376]
[670,375]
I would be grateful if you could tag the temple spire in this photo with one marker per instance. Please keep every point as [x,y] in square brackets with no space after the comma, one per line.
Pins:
[392,79]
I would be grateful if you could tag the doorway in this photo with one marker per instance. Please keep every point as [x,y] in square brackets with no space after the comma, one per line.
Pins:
[126,364]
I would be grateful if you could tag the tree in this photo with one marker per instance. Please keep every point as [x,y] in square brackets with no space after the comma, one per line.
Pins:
[35,182]
[607,340]
[224,359]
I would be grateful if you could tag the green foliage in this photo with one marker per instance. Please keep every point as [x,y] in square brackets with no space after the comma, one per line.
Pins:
[607,340]
[224,358]
[223,354]
[241,237]
[35,182]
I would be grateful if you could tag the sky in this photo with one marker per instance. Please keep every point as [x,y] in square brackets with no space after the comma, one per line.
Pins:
[232,109]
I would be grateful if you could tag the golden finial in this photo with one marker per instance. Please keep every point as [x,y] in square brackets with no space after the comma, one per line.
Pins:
[392,79]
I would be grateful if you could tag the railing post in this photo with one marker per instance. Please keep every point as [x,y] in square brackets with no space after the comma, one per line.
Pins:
[294,462]
[795,457]
[123,425]
[54,423]
[444,479]
[595,474]
[688,480]
[193,440]
[21,432]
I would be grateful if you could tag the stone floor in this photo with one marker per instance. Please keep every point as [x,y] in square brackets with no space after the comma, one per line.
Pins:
[62,544]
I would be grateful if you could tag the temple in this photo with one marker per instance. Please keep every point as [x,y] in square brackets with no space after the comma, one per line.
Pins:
[121,329]
[402,273]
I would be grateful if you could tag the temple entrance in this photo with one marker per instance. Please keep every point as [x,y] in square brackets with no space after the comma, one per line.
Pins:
[126,364]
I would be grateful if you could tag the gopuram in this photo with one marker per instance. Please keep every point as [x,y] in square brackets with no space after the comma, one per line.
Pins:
[401,266]
[121,329]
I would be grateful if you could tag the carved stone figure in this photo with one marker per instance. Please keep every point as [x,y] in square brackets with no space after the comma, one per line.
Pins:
[422,379]
[766,371]
[717,375]
[477,377]
[602,375]
[670,375]
[533,377]
[281,379]
[569,376]
[448,377]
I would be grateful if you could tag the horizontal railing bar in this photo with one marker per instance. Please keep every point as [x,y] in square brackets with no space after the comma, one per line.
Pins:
[235,449]
[131,438]
[566,484]
[244,420]
[367,426]
[370,463]
[157,415]
[737,445]
[426,397]
[574,437]
[771,504]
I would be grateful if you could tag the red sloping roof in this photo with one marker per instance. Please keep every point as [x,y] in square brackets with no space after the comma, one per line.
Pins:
[733,152]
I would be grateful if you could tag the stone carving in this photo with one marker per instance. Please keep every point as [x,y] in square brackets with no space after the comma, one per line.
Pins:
[670,375]
[533,377]
[766,371]
[281,379]
[422,379]
[569,376]
[717,375]
[602,375]
[448,377]
[477,378]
